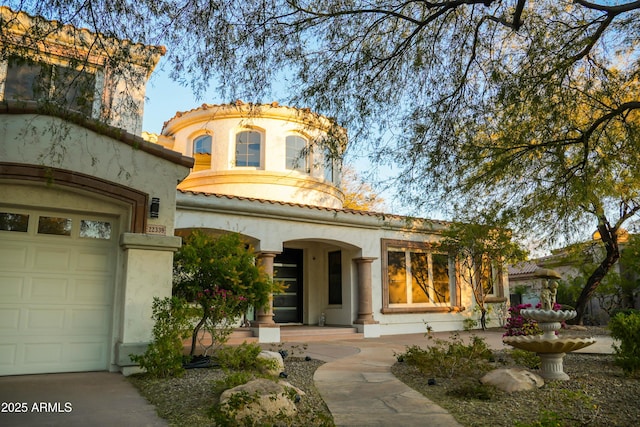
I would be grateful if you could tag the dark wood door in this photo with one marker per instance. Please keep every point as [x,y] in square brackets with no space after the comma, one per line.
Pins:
[287,269]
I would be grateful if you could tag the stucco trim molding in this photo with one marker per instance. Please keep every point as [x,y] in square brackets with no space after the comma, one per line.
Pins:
[150,242]
[137,200]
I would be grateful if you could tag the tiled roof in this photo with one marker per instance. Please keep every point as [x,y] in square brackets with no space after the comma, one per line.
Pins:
[522,268]
[239,104]
[380,215]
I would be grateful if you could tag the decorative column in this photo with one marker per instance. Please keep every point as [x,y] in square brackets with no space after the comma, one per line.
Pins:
[266,329]
[365,306]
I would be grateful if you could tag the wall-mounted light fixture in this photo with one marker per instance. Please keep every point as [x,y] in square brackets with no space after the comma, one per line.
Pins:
[154,209]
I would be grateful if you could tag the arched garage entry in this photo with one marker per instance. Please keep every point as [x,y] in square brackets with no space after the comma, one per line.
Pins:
[59,261]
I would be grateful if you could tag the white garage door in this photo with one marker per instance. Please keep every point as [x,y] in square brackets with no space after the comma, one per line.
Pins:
[56,291]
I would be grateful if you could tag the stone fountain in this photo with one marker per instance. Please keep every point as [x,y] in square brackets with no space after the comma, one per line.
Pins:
[549,346]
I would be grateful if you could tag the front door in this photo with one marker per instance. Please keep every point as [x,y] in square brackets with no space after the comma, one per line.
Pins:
[287,306]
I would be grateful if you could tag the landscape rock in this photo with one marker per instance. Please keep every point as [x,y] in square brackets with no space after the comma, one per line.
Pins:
[262,398]
[276,361]
[513,379]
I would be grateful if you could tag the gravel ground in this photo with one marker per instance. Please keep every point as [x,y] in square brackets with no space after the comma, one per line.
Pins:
[597,395]
[186,401]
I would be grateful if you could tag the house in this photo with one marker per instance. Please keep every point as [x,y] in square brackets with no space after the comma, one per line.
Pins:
[90,215]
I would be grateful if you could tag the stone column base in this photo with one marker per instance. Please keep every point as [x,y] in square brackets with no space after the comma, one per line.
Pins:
[551,366]
[266,333]
[368,329]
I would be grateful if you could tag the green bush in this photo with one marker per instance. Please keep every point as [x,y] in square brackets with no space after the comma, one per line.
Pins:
[472,390]
[526,358]
[449,358]
[243,357]
[625,327]
[163,357]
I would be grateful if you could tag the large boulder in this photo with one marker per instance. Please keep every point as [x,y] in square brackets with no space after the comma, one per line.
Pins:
[513,379]
[274,360]
[260,398]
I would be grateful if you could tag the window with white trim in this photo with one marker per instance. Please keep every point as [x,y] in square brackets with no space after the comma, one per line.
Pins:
[297,154]
[202,144]
[417,277]
[248,148]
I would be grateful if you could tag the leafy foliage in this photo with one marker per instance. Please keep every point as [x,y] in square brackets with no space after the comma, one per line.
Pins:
[219,274]
[625,327]
[526,108]
[448,358]
[482,249]
[163,357]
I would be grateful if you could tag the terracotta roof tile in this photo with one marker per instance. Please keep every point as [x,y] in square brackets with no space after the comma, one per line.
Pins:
[320,208]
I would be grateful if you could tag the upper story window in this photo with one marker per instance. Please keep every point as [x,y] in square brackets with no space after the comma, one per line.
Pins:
[202,145]
[329,169]
[297,154]
[248,145]
[27,80]
[416,278]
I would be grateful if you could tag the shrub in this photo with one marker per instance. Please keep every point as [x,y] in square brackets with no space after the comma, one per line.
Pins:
[626,328]
[242,357]
[449,358]
[526,358]
[472,390]
[163,357]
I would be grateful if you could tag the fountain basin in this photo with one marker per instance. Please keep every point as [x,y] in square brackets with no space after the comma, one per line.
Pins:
[538,344]
[548,316]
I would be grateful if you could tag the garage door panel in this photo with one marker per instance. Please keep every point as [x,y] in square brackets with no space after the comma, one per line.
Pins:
[43,353]
[92,290]
[95,321]
[41,320]
[7,356]
[52,259]
[87,352]
[9,318]
[48,290]
[12,256]
[93,261]
[11,288]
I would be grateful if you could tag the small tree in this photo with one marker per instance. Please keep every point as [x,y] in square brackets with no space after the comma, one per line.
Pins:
[482,250]
[220,276]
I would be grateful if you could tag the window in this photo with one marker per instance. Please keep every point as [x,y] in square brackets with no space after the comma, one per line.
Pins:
[490,276]
[95,229]
[416,278]
[14,222]
[297,154]
[202,145]
[335,277]
[54,225]
[34,81]
[248,148]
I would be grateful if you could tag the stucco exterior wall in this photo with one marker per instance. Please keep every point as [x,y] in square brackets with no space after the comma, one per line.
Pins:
[271,180]
[318,231]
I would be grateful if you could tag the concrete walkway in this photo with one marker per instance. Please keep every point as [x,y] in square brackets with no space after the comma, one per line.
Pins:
[357,385]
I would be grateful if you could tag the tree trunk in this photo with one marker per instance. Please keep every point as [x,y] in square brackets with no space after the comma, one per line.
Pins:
[483,319]
[609,237]
[196,330]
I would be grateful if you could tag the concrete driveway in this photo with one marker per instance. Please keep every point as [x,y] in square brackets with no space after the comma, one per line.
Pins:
[74,399]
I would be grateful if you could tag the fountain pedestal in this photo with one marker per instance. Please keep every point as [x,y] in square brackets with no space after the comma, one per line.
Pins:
[549,346]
